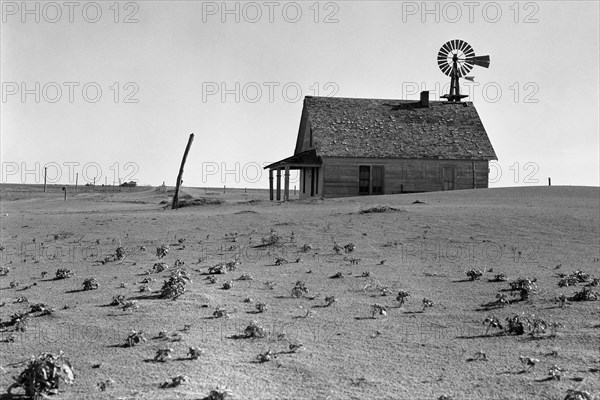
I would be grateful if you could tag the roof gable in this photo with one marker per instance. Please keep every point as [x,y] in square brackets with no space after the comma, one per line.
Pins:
[379,128]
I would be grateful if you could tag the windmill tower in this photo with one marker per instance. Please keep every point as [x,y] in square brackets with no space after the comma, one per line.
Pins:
[456,59]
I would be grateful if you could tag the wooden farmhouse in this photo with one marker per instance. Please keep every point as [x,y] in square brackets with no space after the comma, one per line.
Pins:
[351,147]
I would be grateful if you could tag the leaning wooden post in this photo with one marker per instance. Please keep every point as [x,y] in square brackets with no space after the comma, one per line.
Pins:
[76,179]
[180,175]
[549,182]
[45,171]
[64,188]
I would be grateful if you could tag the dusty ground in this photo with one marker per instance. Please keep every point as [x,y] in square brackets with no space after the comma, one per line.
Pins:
[346,354]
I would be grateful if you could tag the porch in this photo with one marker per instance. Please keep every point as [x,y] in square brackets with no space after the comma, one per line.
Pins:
[309,165]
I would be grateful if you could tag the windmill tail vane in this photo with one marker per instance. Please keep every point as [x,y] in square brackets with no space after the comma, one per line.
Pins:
[456,59]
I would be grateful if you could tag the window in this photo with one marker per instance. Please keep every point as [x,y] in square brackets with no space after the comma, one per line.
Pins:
[370,179]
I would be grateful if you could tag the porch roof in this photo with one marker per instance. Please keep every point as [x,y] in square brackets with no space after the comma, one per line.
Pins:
[304,159]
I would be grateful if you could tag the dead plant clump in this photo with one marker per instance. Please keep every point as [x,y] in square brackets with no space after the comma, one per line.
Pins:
[144,289]
[329,300]
[120,253]
[574,278]
[217,269]
[272,239]
[573,394]
[498,278]
[43,375]
[502,300]
[555,372]
[220,313]
[130,305]
[306,248]
[42,308]
[224,267]
[227,285]
[561,299]
[174,382]
[162,355]
[20,321]
[264,357]
[118,300]
[299,290]
[63,273]
[233,264]
[379,209]
[523,288]
[175,286]
[254,331]
[280,261]
[349,248]
[245,277]
[427,303]
[474,274]
[261,307]
[585,294]
[218,395]
[162,251]
[516,324]
[195,352]
[179,263]
[528,363]
[402,297]
[105,384]
[90,284]
[492,322]
[159,267]
[378,309]
[135,337]
[337,248]
[4,271]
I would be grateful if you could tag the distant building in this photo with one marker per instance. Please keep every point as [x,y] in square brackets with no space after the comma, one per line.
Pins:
[351,147]
[129,184]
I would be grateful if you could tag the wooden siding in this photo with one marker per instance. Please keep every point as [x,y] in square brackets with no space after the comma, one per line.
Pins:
[340,175]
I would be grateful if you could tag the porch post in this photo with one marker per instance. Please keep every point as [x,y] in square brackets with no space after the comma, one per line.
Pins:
[286,191]
[270,184]
[278,184]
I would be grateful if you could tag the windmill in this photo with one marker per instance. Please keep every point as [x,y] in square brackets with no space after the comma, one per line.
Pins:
[456,59]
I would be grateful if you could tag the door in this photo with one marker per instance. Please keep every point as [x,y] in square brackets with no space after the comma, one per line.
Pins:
[449,174]
[364,179]
[370,179]
[376,180]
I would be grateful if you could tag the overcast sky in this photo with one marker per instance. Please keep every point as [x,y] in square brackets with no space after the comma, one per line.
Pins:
[113,91]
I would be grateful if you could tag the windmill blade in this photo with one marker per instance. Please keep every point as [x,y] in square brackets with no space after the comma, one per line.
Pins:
[470,78]
[464,69]
[467,49]
[446,69]
[482,61]
[446,48]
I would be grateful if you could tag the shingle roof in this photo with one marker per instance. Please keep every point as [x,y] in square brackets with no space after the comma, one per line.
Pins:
[349,127]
